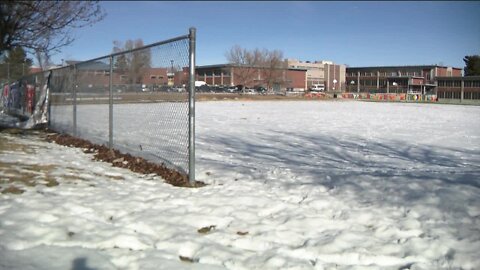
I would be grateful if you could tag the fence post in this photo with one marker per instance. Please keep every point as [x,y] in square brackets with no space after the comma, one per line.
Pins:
[74,84]
[462,90]
[110,107]
[191,111]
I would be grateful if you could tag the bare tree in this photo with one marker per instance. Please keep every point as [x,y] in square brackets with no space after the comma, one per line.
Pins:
[43,59]
[44,26]
[273,68]
[132,64]
[247,65]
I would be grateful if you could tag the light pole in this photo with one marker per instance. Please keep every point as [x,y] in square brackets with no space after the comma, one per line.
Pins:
[352,83]
[396,86]
[171,74]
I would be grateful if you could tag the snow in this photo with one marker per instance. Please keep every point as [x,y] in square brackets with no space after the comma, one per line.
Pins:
[291,185]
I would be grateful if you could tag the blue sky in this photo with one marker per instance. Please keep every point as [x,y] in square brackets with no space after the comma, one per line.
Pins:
[352,33]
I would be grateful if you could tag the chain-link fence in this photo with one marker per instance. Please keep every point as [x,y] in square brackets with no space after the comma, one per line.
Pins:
[140,102]
[25,98]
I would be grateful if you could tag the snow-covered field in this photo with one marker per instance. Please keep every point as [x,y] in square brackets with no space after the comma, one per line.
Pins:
[292,185]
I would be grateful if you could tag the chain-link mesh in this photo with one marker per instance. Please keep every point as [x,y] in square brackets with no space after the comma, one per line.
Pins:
[91,81]
[62,100]
[149,102]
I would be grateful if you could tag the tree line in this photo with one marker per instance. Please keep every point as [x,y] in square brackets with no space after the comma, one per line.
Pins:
[249,63]
[42,28]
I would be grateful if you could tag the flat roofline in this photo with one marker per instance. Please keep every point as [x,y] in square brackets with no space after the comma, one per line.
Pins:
[409,66]
[232,65]
[458,77]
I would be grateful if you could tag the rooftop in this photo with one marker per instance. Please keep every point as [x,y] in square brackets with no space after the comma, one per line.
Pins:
[397,67]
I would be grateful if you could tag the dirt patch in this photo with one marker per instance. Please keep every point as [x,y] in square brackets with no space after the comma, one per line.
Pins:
[244,97]
[12,190]
[118,159]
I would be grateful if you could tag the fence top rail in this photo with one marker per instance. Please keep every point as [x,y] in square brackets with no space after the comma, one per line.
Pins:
[127,51]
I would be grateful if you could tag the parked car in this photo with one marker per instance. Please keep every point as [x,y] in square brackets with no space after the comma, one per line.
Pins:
[145,88]
[317,88]
[261,89]
[232,89]
[218,89]
[203,88]
[200,83]
[178,89]
[249,91]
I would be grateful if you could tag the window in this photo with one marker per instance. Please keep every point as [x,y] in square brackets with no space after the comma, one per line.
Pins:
[475,84]
[153,77]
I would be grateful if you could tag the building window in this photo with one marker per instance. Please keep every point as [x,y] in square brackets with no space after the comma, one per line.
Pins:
[153,77]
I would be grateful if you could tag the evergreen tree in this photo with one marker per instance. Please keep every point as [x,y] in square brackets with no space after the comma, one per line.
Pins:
[15,65]
[472,65]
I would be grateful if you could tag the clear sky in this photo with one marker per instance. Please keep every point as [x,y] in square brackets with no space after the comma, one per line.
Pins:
[351,33]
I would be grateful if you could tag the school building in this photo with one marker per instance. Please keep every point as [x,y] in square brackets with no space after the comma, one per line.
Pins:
[397,79]
[293,79]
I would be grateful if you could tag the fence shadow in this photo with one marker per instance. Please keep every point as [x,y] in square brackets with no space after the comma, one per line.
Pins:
[394,170]
[81,264]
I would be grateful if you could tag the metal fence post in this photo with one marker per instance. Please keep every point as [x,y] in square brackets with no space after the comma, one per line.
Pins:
[191,111]
[110,107]
[74,85]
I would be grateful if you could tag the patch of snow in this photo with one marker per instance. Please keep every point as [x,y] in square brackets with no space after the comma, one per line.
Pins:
[292,185]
